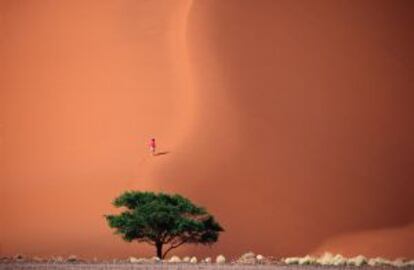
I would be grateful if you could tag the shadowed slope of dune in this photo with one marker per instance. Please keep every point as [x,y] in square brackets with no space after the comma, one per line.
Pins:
[304,130]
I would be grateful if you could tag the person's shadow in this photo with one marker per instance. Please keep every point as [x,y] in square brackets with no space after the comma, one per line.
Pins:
[161,153]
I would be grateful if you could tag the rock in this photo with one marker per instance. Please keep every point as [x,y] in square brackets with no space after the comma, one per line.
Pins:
[136,260]
[144,260]
[19,257]
[247,258]
[275,260]
[37,259]
[409,263]
[193,260]
[291,260]
[357,261]
[72,258]
[375,261]
[338,260]
[174,259]
[155,259]
[260,258]
[325,259]
[307,260]
[58,259]
[378,261]
[220,259]
[399,262]
[186,259]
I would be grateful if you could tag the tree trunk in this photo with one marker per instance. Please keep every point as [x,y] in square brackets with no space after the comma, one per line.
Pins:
[159,249]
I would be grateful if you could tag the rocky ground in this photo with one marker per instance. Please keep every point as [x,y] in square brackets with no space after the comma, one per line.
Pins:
[180,266]
[247,261]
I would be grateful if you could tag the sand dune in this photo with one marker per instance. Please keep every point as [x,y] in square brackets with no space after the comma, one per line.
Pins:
[302,108]
[84,86]
[291,121]
[394,242]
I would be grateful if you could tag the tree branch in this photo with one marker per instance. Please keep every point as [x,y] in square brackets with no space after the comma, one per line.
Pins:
[173,246]
[164,237]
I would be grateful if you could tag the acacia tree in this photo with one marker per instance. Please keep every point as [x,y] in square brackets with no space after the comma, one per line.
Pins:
[163,219]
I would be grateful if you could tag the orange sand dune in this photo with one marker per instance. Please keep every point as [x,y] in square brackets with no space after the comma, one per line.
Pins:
[289,120]
[389,242]
[84,86]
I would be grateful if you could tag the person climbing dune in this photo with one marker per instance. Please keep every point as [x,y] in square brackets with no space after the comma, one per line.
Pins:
[152,146]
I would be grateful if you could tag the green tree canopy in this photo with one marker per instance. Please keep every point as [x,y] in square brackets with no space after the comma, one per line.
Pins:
[162,219]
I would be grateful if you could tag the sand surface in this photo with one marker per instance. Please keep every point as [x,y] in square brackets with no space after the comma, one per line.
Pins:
[291,121]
